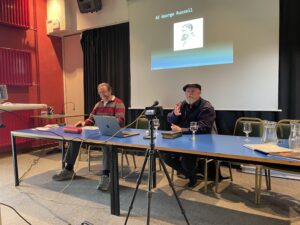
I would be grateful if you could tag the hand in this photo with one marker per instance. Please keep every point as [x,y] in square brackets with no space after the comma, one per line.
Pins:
[176,128]
[79,124]
[177,109]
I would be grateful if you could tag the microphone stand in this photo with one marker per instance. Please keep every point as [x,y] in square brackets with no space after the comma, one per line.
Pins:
[65,105]
[150,157]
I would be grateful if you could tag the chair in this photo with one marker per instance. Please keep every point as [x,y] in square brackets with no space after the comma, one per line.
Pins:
[283,132]
[256,123]
[257,131]
[141,123]
[284,127]
[91,148]
[206,162]
[218,164]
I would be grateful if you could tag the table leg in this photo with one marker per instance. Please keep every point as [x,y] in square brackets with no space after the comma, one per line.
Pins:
[15,160]
[114,182]
[63,153]
[257,184]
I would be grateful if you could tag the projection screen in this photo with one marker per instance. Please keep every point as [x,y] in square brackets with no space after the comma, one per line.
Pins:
[230,47]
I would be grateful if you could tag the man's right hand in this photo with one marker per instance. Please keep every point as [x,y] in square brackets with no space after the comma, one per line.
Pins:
[176,128]
[177,109]
[79,124]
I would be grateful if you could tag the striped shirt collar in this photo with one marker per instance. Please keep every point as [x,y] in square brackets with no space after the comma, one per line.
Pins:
[106,102]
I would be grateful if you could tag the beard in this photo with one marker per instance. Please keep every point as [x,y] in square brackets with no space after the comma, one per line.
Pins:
[191,100]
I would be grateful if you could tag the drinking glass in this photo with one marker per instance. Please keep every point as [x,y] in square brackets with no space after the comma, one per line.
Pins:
[193,128]
[156,125]
[247,129]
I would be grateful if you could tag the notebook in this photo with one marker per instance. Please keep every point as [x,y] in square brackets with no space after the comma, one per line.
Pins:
[109,125]
[171,134]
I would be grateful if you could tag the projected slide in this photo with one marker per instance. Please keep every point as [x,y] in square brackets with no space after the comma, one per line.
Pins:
[188,34]
[182,42]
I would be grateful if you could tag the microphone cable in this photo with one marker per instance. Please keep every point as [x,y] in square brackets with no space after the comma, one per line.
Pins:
[35,161]
[6,205]
[155,103]
[123,128]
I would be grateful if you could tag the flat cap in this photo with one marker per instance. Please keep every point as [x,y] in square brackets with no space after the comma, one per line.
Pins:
[192,86]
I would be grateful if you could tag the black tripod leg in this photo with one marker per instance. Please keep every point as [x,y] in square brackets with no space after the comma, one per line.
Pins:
[154,170]
[150,180]
[137,185]
[172,187]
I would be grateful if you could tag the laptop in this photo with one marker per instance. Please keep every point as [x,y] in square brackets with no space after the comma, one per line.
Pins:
[109,125]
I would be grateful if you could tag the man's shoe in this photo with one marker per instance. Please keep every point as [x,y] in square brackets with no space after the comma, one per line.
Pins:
[103,183]
[64,175]
[192,182]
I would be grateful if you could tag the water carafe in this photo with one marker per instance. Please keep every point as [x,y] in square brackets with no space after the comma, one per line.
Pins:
[294,138]
[269,134]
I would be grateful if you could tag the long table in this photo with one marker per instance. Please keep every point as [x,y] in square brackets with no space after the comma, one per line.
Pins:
[219,147]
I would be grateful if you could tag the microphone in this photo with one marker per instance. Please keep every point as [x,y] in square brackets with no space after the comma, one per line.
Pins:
[155,103]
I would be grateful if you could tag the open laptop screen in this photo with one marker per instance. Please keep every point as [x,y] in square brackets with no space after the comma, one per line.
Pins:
[109,126]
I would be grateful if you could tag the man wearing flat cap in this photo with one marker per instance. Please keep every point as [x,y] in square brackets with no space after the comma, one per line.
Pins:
[192,109]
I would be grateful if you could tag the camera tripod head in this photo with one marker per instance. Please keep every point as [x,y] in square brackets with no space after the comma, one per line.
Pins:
[153,112]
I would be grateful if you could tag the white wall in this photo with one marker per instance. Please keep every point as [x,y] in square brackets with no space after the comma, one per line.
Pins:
[61,17]
[72,21]
[73,77]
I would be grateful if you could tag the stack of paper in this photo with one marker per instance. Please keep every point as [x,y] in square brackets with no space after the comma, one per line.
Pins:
[275,150]
[267,148]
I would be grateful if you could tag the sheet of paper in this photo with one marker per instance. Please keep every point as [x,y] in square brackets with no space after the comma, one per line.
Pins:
[267,148]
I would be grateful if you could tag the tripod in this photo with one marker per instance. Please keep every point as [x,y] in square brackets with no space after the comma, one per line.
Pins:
[150,157]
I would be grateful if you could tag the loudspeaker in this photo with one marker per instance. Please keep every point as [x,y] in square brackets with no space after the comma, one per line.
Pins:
[86,6]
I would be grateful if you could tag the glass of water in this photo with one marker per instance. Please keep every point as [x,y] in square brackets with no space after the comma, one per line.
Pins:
[194,127]
[247,129]
[156,125]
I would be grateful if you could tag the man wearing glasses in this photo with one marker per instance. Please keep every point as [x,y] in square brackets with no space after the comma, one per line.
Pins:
[109,105]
